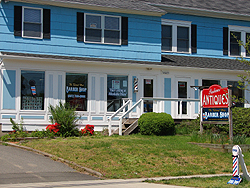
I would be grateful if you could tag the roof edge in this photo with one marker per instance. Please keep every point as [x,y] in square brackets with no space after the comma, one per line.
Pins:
[27,56]
[119,62]
[92,7]
[202,12]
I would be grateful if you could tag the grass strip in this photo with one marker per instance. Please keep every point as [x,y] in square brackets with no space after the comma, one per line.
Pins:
[137,156]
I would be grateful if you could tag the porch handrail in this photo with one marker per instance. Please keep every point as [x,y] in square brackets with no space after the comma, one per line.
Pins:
[137,103]
[132,108]
[118,111]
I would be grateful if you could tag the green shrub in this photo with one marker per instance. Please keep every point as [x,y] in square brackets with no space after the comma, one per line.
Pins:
[241,121]
[156,124]
[66,116]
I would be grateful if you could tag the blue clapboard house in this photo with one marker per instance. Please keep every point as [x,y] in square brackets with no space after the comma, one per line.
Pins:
[100,56]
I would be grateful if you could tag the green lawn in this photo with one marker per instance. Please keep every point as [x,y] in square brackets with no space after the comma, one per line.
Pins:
[137,156]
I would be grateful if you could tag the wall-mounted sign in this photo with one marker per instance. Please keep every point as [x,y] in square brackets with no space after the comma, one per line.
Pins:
[215,97]
[215,114]
[148,81]
[182,84]
[115,84]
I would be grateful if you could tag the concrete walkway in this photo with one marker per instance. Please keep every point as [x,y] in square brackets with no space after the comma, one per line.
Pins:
[113,183]
[116,183]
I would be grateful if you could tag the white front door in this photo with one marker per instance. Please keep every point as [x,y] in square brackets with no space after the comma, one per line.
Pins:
[148,83]
[183,92]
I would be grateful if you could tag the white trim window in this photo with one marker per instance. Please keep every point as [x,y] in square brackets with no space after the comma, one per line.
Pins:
[32,22]
[238,33]
[102,29]
[176,36]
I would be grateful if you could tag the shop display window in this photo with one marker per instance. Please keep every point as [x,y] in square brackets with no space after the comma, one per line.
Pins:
[77,90]
[32,90]
[117,88]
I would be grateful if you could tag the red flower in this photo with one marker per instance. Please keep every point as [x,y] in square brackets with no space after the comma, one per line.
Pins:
[53,128]
[88,130]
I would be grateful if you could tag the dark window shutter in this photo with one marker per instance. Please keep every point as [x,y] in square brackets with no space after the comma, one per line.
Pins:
[124,30]
[225,40]
[18,21]
[46,23]
[194,38]
[80,26]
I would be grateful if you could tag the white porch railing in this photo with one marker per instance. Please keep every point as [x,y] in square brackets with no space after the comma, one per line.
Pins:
[118,111]
[140,111]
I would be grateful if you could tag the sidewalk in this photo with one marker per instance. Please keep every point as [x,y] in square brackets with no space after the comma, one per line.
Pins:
[112,183]
[116,183]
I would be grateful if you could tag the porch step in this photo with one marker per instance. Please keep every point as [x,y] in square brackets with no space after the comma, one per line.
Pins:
[128,125]
[131,124]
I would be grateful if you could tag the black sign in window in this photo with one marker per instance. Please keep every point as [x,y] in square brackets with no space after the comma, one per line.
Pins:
[77,90]
[32,90]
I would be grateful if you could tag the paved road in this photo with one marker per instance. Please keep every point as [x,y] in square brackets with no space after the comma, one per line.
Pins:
[21,166]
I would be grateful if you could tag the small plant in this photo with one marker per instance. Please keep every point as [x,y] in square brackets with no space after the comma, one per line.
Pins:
[88,130]
[156,124]
[66,116]
[239,139]
[42,134]
[15,125]
[209,137]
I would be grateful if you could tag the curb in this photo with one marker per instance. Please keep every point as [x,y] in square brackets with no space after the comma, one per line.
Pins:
[188,177]
[88,170]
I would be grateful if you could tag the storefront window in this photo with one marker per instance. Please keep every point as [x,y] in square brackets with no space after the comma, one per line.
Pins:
[77,91]
[32,90]
[117,89]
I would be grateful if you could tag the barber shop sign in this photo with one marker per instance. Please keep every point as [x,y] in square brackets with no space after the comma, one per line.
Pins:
[215,101]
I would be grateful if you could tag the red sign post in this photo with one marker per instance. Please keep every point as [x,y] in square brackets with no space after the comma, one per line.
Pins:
[215,97]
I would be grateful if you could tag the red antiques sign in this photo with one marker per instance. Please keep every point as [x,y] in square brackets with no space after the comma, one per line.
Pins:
[215,97]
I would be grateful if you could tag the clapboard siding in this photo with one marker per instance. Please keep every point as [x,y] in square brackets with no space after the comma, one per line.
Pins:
[209,32]
[144,32]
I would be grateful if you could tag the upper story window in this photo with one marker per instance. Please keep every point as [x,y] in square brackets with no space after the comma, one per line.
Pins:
[248,40]
[183,39]
[32,22]
[231,37]
[102,29]
[235,49]
[176,36]
[166,37]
